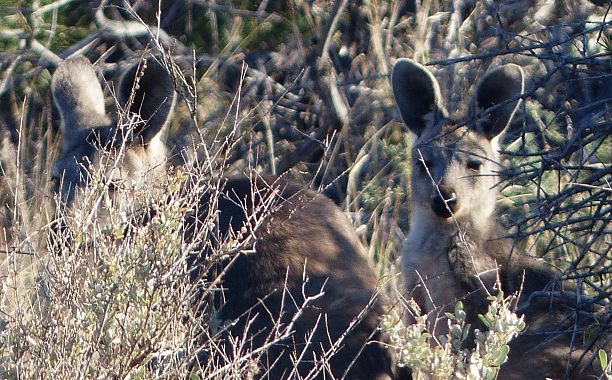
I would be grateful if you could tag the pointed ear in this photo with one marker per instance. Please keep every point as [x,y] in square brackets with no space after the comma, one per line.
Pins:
[495,90]
[416,93]
[147,89]
[78,95]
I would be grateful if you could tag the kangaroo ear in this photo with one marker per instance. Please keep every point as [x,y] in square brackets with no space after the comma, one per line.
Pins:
[417,94]
[495,90]
[78,95]
[147,90]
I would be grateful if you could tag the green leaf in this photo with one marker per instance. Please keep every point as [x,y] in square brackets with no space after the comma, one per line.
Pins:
[456,330]
[460,315]
[502,355]
[486,320]
[603,359]
[458,307]
[491,373]
[466,332]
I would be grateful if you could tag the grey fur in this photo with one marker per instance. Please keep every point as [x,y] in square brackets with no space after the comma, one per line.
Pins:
[417,94]
[454,250]
[88,131]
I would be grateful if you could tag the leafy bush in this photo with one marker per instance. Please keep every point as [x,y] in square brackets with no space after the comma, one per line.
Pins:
[449,357]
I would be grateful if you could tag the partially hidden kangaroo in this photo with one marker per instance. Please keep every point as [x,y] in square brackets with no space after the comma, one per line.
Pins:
[305,249]
[455,250]
[132,151]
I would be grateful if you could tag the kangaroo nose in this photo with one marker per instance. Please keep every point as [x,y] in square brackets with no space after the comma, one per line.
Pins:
[444,203]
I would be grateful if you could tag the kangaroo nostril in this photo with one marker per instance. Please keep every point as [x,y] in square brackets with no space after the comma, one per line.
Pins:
[445,203]
[451,199]
[447,194]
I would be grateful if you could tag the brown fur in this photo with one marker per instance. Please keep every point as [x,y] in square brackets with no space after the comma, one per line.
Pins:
[542,351]
[306,234]
[455,249]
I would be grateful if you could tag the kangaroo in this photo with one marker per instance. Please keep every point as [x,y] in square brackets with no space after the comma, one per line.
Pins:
[305,249]
[454,250]
[133,150]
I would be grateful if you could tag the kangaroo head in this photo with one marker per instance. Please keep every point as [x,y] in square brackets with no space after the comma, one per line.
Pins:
[128,147]
[455,163]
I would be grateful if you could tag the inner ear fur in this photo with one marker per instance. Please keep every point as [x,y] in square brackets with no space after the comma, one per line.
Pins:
[496,90]
[416,93]
[147,89]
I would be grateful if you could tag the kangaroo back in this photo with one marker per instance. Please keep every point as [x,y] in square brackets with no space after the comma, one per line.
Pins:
[308,273]
[454,250]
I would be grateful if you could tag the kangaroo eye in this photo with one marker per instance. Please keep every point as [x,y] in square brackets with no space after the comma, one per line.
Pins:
[474,165]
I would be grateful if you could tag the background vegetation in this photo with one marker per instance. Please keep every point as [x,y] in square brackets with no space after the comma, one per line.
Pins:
[287,86]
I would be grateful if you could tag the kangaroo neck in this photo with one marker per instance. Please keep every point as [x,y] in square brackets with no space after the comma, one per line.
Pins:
[458,229]
[462,242]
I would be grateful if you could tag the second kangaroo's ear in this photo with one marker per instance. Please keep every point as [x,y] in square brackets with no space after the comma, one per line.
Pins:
[495,90]
[417,94]
[78,96]
[147,90]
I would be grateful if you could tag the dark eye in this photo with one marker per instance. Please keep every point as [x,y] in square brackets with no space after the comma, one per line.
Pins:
[474,165]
